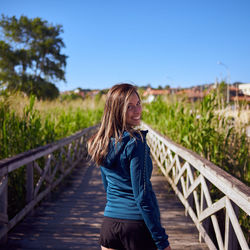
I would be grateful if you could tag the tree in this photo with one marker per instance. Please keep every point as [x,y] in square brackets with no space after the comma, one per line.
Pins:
[30,56]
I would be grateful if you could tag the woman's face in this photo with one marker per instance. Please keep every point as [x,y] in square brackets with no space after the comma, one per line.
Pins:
[133,114]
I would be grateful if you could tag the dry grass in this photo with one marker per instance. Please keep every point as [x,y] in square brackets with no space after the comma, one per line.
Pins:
[240,118]
[18,102]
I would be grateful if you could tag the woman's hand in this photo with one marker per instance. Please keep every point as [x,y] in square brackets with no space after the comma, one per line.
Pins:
[167,248]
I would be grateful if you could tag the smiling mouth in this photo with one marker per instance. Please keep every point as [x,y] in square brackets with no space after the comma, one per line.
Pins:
[136,120]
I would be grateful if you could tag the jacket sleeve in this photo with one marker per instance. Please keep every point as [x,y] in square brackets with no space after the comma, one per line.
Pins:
[104,180]
[140,172]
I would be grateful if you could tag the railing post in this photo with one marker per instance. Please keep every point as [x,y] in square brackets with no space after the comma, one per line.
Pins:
[4,209]
[203,206]
[30,184]
[233,242]
[190,199]
[29,159]
[207,211]
[48,157]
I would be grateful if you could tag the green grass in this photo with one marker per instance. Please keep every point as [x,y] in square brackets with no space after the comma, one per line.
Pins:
[196,126]
[27,123]
[33,125]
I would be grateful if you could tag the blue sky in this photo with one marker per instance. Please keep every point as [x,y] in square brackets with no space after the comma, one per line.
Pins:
[157,42]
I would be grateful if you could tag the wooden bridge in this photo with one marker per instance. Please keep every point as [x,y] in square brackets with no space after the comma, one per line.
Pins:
[70,217]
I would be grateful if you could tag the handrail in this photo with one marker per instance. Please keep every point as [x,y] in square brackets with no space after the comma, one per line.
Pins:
[191,177]
[60,158]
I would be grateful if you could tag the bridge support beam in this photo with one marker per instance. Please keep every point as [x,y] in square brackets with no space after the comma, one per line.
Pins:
[4,209]
[232,238]
[30,184]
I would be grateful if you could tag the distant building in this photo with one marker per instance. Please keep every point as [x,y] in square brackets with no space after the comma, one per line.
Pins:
[67,92]
[197,93]
[77,91]
[236,94]
[156,92]
[193,94]
[150,93]
[94,92]
[245,88]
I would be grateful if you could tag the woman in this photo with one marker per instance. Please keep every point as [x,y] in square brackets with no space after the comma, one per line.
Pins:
[131,216]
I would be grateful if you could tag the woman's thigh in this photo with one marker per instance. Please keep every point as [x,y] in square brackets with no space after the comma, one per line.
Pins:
[105,248]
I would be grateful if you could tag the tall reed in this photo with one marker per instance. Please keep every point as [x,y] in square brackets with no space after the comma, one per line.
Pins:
[26,124]
[31,126]
[198,127]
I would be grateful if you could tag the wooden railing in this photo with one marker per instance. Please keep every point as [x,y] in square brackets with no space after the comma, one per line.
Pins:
[191,177]
[195,181]
[45,168]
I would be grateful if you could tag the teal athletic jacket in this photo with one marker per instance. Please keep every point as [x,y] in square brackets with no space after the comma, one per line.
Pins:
[126,173]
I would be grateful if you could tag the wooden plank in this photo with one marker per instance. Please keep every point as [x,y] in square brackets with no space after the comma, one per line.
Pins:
[3,184]
[194,185]
[227,222]
[190,175]
[236,225]
[213,209]
[192,214]
[37,167]
[189,209]
[4,208]
[42,178]
[72,218]
[29,182]
[232,188]
[4,218]
[178,226]
[213,217]
[28,159]
[3,171]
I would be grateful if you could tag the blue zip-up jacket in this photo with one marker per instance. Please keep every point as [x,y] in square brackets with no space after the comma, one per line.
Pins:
[126,173]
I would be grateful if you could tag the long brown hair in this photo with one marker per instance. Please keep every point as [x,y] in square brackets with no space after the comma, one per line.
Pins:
[113,122]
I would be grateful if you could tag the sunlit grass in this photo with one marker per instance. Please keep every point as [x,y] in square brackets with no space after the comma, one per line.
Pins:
[198,127]
[26,123]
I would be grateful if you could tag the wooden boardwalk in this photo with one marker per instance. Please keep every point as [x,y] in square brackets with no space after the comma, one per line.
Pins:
[71,218]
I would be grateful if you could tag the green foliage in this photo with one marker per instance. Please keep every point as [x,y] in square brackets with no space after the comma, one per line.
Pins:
[30,56]
[19,133]
[38,87]
[33,128]
[70,97]
[197,127]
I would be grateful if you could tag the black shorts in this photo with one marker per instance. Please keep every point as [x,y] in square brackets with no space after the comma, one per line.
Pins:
[123,234]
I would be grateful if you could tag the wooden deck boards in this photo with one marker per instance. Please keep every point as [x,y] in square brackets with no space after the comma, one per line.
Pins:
[71,218]
[180,228]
